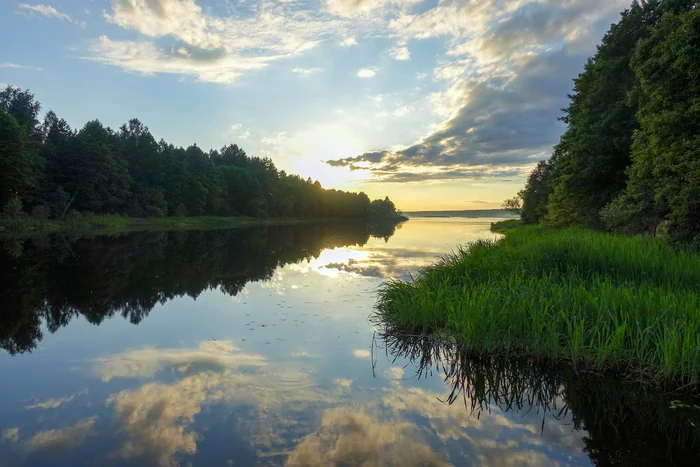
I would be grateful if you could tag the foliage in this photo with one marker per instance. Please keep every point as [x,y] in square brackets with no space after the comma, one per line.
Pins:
[128,172]
[513,205]
[18,167]
[597,299]
[13,208]
[629,156]
[665,171]
[594,151]
[536,193]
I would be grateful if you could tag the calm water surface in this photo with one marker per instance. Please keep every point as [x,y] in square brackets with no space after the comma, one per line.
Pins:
[256,347]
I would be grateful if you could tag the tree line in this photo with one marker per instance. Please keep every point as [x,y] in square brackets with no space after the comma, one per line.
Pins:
[629,160]
[50,170]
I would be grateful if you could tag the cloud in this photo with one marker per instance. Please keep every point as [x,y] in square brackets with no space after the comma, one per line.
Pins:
[146,362]
[400,53]
[154,417]
[365,73]
[350,436]
[507,72]
[49,12]
[62,438]
[394,372]
[306,71]
[360,7]
[181,37]
[24,67]
[147,58]
[361,353]
[348,41]
[156,421]
[343,382]
[242,133]
[10,434]
[54,403]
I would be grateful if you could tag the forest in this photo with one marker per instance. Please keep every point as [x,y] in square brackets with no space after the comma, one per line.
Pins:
[50,171]
[629,160]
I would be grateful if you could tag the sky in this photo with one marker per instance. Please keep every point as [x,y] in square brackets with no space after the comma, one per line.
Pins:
[443,104]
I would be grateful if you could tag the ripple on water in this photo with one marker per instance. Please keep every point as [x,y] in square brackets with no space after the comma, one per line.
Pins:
[289,375]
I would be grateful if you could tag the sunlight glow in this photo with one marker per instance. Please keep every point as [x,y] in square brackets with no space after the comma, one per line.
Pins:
[309,150]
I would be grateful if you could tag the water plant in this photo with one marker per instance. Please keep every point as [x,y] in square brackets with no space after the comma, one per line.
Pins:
[598,300]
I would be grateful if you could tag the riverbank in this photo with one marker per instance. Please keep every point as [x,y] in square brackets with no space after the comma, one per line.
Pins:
[106,225]
[598,300]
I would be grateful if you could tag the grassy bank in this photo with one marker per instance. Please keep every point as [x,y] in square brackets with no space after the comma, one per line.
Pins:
[99,225]
[599,300]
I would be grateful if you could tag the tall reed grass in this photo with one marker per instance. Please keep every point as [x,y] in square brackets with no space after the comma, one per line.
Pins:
[597,299]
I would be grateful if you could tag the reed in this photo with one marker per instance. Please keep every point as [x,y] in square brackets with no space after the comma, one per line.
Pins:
[599,300]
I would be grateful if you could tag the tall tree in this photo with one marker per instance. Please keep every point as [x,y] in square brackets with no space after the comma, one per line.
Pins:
[18,167]
[665,173]
[601,118]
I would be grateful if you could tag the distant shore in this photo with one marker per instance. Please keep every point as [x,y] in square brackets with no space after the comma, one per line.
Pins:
[469,213]
[111,224]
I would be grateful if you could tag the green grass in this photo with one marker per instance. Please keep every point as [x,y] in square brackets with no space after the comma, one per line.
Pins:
[99,225]
[598,300]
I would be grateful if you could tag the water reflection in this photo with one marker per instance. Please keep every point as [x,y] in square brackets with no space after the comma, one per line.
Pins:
[271,364]
[620,423]
[55,279]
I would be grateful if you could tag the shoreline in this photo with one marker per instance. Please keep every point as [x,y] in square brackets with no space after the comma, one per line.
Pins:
[599,301]
[114,224]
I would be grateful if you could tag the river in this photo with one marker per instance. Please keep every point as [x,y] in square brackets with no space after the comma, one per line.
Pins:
[257,347]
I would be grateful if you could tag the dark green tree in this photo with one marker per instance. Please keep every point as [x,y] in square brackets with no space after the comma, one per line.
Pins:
[18,167]
[664,179]
[594,152]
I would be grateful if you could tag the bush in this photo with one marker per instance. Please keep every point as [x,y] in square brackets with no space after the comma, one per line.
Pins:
[180,210]
[13,208]
[152,211]
[40,213]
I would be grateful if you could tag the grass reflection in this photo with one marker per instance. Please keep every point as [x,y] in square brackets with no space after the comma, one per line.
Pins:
[621,423]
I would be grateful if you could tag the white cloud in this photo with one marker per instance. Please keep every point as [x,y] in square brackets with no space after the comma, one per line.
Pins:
[361,353]
[214,48]
[241,132]
[146,362]
[49,12]
[394,372]
[275,139]
[348,436]
[24,67]
[62,438]
[403,110]
[361,7]
[147,58]
[365,73]
[348,41]
[306,71]
[400,53]
[54,403]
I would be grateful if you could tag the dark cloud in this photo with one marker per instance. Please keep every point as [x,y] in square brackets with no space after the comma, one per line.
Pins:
[509,117]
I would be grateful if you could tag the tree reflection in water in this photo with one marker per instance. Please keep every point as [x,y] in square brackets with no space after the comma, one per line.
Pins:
[52,280]
[621,424]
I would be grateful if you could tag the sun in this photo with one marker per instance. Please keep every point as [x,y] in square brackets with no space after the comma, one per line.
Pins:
[320,146]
